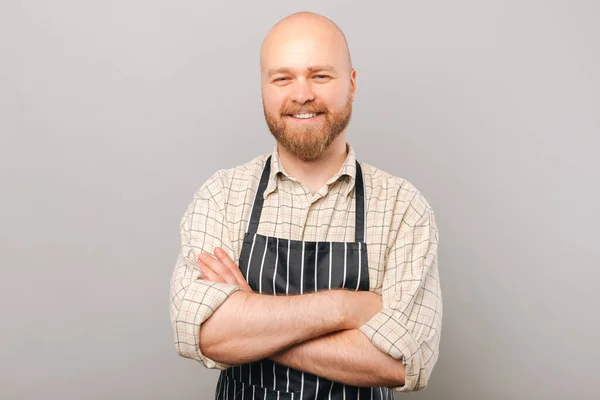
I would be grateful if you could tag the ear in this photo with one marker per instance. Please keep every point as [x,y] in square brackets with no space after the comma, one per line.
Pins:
[353,83]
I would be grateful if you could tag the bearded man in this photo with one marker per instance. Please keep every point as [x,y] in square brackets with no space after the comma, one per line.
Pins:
[303,273]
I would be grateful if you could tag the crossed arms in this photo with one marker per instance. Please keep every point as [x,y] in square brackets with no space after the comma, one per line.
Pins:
[394,343]
[316,333]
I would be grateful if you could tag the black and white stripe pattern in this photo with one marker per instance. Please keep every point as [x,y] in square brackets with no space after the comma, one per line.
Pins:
[280,266]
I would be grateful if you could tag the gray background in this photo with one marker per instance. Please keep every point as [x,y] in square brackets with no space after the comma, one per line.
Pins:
[113,113]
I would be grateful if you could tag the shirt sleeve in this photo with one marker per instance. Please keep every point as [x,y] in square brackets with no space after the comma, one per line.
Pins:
[409,325]
[193,300]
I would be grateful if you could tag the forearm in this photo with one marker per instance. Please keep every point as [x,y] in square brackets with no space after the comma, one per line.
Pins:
[249,326]
[347,356]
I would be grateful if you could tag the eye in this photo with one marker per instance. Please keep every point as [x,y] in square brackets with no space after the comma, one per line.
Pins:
[281,79]
[322,76]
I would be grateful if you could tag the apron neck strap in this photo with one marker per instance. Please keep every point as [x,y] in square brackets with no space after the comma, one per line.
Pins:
[360,215]
[359,195]
[259,198]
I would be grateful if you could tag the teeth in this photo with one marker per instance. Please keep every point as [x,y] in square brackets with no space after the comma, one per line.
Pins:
[304,115]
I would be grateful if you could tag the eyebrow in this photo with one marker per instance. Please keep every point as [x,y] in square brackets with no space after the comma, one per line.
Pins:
[310,68]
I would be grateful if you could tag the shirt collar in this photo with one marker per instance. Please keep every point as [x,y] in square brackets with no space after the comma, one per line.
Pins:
[346,171]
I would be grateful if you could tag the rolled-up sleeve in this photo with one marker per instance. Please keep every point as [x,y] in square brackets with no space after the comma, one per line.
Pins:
[193,300]
[409,325]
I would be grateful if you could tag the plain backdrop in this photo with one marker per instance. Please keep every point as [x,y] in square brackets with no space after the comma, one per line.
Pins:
[112,114]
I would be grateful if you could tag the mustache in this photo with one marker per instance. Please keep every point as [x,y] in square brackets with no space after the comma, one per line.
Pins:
[312,110]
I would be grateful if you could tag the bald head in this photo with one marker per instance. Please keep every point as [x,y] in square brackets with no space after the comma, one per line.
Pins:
[308,84]
[292,39]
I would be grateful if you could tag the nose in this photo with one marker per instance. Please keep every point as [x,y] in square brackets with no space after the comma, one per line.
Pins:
[302,92]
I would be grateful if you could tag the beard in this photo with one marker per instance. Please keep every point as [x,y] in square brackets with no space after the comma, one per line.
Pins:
[308,142]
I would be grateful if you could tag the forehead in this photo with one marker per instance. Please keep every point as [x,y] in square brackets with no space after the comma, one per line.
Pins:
[300,53]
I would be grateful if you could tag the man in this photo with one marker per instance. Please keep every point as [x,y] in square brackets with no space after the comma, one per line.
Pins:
[304,274]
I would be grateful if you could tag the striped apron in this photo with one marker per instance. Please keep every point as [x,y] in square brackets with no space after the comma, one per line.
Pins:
[273,265]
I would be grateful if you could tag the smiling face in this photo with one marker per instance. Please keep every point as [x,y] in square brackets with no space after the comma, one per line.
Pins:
[308,84]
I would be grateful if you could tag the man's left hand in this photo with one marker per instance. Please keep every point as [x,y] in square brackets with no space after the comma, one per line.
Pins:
[222,269]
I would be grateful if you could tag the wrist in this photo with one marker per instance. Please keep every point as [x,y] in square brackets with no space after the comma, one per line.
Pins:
[344,308]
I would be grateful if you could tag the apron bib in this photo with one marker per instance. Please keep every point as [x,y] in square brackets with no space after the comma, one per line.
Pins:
[279,266]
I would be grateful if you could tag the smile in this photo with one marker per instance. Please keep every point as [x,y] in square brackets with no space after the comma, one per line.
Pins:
[305,116]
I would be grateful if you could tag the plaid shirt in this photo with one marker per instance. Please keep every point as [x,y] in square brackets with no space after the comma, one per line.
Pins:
[401,236]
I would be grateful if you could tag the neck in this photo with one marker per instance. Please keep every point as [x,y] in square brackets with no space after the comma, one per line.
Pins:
[317,172]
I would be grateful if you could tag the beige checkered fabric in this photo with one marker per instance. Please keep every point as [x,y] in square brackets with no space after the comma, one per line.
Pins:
[402,240]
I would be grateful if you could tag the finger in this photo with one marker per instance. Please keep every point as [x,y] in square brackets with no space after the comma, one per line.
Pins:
[217,267]
[225,272]
[233,267]
[209,274]
[229,263]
